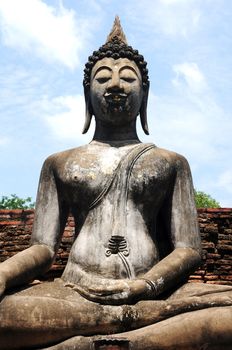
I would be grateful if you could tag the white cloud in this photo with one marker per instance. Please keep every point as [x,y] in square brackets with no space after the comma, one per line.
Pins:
[190,120]
[222,186]
[183,115]
[52,33]
[225,180]
[65,116]
[169,17]
[4,140]
[193,77]
[180,126]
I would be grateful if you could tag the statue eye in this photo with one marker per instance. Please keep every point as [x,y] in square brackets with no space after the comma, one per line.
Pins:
[102,80]
[128,79]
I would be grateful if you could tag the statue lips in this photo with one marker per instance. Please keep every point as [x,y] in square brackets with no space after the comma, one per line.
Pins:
[115,98]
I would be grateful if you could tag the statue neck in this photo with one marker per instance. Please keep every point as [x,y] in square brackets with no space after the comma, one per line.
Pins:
[112,133]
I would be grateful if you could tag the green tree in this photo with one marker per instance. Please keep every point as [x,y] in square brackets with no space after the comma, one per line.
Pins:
[14,202]
[204,200]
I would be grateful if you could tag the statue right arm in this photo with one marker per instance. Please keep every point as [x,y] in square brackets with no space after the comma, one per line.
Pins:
[24,266]
[49,221]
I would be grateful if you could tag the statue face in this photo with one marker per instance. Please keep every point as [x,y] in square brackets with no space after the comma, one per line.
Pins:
[116,90]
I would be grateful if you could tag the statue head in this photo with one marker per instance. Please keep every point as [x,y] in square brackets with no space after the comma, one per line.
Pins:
[104,95]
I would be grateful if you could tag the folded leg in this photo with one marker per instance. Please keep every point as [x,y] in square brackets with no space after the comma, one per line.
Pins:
[49,313]
[209,329]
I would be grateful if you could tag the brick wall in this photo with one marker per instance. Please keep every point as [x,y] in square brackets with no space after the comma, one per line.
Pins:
[215,227]
[216,235]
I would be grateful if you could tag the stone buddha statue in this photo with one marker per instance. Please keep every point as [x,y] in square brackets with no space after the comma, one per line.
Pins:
[137,238]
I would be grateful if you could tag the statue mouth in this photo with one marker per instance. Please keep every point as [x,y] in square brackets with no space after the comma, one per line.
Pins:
[115,98]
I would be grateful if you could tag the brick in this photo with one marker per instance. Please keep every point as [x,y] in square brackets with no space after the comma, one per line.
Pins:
[200,272]
[15,212]
[220,282]
[10,223]
[29,221]
[195,280]
[224,262]
[208,245]
[196,277]
[227,256]
[4,216]
[210,262]
[224,242]
[71,224]
[211,278]
[224,269]
[228,231]
[227,278]
[211,228]
[224,236]
[225,247]
[213,256]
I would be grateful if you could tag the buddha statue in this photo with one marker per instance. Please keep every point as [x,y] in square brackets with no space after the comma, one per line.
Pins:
[137,238]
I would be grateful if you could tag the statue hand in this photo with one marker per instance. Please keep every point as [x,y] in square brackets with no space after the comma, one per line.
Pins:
[115,292]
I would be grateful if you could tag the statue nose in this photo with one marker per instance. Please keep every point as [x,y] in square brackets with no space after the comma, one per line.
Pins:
[114,84]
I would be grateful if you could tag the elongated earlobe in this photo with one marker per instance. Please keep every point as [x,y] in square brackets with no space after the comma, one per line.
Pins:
[143,113]
[88,112]
[88,118]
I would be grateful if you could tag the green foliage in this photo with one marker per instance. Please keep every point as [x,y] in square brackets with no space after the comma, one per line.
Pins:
[14,202]
[204,200]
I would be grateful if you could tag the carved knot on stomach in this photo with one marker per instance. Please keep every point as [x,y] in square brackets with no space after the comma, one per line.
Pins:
[117,244]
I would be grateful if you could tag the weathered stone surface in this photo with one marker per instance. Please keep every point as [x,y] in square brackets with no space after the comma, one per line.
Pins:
[136,235]
[14,239]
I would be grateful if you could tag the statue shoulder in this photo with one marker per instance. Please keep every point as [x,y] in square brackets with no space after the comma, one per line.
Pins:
[58,159]
[173,158]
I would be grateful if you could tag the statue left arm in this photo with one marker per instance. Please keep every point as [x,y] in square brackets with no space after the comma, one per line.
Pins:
[180,216]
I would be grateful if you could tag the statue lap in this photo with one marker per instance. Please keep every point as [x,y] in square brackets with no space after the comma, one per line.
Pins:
[52,307]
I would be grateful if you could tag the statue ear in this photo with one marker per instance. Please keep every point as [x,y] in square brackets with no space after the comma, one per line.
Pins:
[143,112]
[88,111]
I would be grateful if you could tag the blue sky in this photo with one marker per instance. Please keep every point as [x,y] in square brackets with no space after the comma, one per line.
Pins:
[44,46]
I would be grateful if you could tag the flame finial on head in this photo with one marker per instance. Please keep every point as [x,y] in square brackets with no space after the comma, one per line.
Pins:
[117,32]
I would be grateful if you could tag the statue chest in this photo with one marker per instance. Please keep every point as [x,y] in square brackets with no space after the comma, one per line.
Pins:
[82,179]
[109,201]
